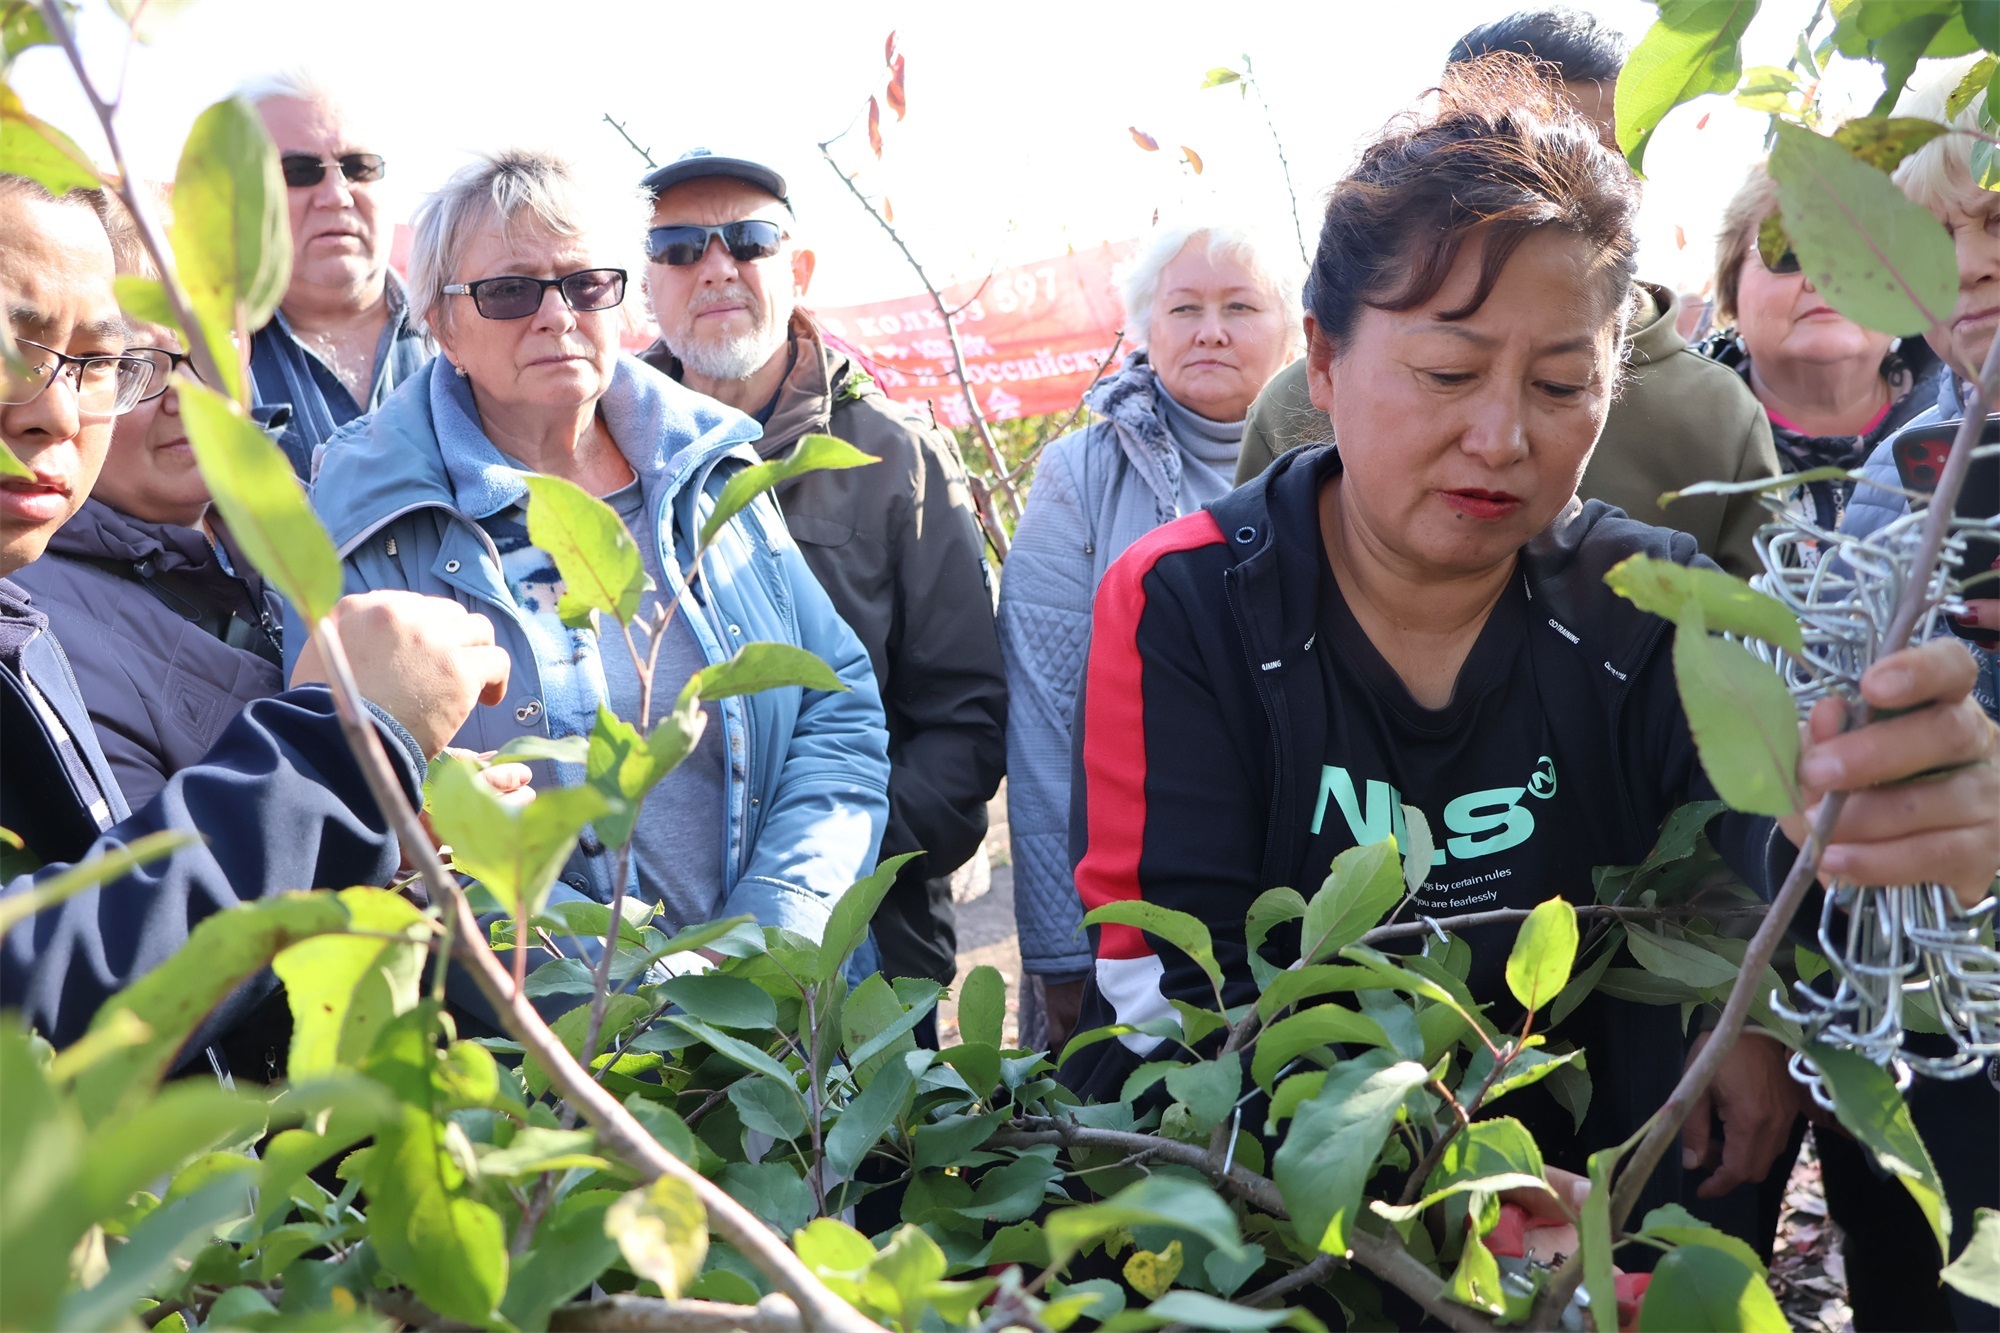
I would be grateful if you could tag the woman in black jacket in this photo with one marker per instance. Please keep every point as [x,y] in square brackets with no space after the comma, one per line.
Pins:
[1419,617]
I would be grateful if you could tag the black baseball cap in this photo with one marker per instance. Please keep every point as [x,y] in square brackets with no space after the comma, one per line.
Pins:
[696,163]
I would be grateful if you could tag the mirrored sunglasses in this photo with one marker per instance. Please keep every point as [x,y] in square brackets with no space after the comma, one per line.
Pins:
[684,243]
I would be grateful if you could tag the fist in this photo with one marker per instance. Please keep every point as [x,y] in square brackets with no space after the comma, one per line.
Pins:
[423,660]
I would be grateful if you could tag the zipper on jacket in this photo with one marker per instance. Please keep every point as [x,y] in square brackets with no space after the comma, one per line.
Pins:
[1259,678]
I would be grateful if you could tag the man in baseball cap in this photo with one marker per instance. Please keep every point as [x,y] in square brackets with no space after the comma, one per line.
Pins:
[896,544]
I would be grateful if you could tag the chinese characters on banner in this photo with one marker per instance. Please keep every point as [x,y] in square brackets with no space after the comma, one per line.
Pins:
[1033,337]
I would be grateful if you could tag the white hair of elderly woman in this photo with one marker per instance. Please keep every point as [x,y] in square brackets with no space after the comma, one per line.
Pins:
[1942,169]
[503,189]
[1138,279]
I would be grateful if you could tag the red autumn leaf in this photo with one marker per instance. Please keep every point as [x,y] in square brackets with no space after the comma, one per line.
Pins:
[1143,139]
[889,49]
[1702,124]
[1193,158]
[1680,238]
[875,127]
[888,210]
[897,103]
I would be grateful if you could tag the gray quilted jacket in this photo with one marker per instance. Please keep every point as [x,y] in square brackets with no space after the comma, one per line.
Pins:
[1095,493]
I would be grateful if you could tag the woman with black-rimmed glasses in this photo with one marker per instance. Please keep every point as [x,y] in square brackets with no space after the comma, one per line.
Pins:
[782,804]
[169,631]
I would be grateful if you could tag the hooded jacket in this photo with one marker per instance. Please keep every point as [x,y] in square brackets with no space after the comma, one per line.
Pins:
[807,773]
[1675,422]
[167,644]
[1205,729]
[278,803]
[1096,491]
[897,546]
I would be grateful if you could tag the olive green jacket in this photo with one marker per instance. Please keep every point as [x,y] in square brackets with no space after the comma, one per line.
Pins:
[1679,418]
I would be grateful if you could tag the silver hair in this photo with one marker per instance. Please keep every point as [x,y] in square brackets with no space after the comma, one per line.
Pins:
[1139,278]
[504,188]
[298,84]
[1942,169]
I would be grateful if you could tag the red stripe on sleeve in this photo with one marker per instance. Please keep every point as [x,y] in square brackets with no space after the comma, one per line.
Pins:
[1114,729]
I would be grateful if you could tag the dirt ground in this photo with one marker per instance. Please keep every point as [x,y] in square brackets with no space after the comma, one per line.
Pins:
[1808,1273]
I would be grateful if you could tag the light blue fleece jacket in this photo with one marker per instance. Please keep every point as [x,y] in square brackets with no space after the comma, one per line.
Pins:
[402,490]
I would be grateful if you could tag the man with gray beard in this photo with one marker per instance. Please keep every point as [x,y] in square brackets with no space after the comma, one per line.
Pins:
[896,544]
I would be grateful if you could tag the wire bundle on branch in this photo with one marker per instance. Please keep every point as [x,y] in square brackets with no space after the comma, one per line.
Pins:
[1883,945]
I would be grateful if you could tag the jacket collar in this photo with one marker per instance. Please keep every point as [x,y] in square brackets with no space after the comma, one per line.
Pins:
[424,449]
[100,532]
[805,399]
[1129,401]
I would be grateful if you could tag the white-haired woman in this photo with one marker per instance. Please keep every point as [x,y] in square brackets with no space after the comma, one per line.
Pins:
[782,804]
[1214,313]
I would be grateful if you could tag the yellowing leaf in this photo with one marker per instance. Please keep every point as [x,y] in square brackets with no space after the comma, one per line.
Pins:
[1143,139]
[231,232]
[1220,75]
[1538,967]
[34,148]
[1689,51]
[1884,141]
[662,1230]
[1193,158]
[1152,1273]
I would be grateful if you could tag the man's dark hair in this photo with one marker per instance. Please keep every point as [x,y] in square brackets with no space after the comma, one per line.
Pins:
[1500,156]
[1585,50]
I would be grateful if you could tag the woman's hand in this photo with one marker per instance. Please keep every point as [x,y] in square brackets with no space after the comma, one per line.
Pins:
[1756,1099]
[1937,829]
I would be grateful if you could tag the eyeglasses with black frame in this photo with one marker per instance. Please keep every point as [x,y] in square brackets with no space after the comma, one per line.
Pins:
[303,169]
[682,244]
[105,386]
[164,363]
[515,297]
[1784,265]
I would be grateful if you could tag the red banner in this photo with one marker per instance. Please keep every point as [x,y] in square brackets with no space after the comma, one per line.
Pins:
[1033,337]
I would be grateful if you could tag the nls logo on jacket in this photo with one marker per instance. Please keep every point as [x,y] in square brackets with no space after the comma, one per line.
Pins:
[1481,822]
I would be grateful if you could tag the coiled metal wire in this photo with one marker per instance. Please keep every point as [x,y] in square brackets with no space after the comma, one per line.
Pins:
[1904,957]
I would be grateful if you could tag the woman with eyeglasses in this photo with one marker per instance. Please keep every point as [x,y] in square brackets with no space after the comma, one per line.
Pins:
[1832,389]
[782,803]
[168,630]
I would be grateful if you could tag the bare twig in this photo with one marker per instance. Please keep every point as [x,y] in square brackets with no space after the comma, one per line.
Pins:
[1503,915]
[628,139]
[642,1314]
[1049,436]
[1291,192]
[1312,1274]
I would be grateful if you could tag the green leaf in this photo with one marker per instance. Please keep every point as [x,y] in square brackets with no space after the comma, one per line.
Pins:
[982,1005]
[1185,932]
[1594,1228]
[1176,1202]
[1271,909]
[1972,87]
[771,1190]
[625,766]
[1330,1151]
[222,952]
[259,496]
[429,1231]
[1870,1108]
[170,1234]
[99,869]
[515,851]
[596,557]
[872,1012]
[1768,88]
[1689,51]
[41,1147]
[942,1143]
[1727,604]
[621,1010]
[1209,1088]
[1012,1192]
[1435,985]
[1982,20]
[1884,141]
[22,26]
[535,1149]
[145,300]
[1744,722]
[847,924]
[1365,883]
[1700,1287]
[753,1058]
[1321,1025]
[343,989]
[1544,951]
[1303,983]
[1421,852]
[812,454]
[1787,482]
[900,1279]
[874,1112]
[768,1107]
[666,1127]
[1529,1066]
[662,1230]
[763,666]
[34,148]
[559,749]
[231,237]
[1476,1281]
[1220,75]
[571,1250]
[1680,959]
[715,997]
[1976,1271]
[1878,258]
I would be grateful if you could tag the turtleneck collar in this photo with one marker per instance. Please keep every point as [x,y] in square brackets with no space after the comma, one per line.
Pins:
[1210,441]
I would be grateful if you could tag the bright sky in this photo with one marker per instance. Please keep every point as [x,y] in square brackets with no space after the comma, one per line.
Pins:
[1015,146]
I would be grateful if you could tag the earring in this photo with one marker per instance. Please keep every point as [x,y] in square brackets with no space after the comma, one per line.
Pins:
[1895,344]
[458,370]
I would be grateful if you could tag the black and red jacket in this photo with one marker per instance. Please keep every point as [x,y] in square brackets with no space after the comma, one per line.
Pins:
[1203,727]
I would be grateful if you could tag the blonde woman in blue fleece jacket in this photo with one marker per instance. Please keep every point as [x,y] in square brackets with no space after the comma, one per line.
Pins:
[782,804]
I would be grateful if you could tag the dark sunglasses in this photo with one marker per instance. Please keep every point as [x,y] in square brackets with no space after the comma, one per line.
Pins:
[164,365]
[303,169]
[685,244]
[514,297]
[1787,262]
